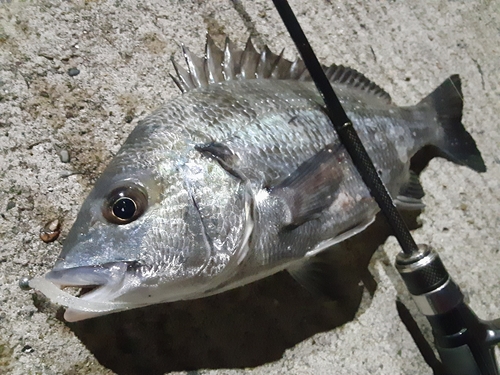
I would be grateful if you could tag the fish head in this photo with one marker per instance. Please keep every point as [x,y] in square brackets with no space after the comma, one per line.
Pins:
[151,233]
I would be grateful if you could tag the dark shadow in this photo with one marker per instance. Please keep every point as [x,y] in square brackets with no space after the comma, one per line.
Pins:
[423,346]
[245,327]
[422,158]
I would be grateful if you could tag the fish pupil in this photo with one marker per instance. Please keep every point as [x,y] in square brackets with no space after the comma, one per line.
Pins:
[124,208]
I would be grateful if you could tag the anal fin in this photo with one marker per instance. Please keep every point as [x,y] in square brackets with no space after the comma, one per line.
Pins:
[411,194]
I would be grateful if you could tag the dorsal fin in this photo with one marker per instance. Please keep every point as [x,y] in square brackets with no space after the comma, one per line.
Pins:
[232,63]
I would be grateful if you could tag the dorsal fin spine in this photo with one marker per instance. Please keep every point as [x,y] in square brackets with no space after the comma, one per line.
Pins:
[196,68]
[231,63]
[249,61]
[228,63]
[184,80]
[213,61]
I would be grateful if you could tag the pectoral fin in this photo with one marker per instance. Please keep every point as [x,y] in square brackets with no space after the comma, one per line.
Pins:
[312,187]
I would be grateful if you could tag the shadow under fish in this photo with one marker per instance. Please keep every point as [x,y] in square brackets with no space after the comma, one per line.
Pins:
[244,327]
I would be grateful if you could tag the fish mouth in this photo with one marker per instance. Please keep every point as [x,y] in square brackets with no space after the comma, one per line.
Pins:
[100,286]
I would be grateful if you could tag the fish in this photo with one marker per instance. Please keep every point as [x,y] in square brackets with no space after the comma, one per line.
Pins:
[240,177]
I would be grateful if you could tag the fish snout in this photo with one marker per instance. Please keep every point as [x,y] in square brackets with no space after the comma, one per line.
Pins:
[89,276]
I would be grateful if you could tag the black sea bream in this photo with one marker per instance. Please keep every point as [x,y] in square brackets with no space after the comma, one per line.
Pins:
[240,177]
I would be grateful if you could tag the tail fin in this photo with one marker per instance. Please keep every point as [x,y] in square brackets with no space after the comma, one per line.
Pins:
[456,145]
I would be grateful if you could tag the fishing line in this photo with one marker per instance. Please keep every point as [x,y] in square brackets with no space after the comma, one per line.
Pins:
[456,89]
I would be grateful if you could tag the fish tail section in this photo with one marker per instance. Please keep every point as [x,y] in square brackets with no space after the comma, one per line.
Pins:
[456,144]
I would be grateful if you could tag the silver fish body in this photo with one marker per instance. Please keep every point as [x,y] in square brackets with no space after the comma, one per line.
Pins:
[235,180]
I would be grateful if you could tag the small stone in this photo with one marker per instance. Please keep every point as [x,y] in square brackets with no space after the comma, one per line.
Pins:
[11,205]
[64,156]
[27,349]
[63,153]
[73,72]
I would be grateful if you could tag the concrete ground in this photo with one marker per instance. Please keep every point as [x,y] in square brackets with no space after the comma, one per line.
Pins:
[121,49]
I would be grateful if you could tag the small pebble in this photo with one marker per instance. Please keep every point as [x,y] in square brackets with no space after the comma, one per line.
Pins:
[24,283]
[50,231]
[73,72]
[64,156]
[27,349]
[63,153]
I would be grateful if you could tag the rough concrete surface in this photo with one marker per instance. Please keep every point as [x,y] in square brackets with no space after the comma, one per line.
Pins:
[122,49]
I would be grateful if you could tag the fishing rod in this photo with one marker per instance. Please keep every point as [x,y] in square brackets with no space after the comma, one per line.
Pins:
[464,342]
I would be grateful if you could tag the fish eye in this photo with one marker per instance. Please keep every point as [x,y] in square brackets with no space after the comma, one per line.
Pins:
[124,205]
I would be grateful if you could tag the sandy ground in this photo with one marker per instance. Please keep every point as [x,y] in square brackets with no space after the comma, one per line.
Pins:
[122,49]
